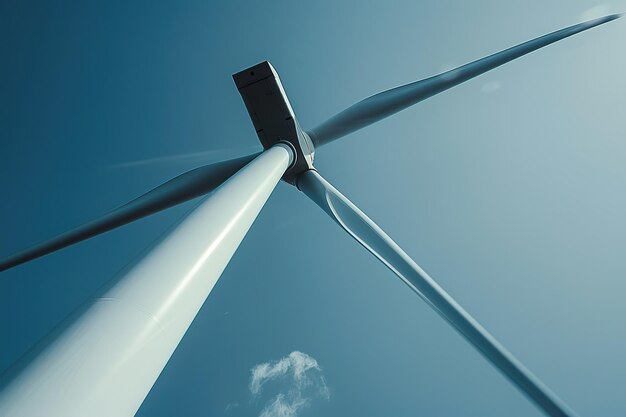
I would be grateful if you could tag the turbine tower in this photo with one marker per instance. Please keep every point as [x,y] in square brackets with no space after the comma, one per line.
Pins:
[103,359]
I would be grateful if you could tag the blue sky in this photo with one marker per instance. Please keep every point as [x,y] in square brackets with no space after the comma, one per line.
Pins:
[508,190]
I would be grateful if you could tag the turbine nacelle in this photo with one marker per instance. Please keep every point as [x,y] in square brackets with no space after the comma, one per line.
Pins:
[273,117]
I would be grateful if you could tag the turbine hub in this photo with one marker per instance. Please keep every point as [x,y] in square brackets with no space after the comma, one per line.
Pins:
[272,115]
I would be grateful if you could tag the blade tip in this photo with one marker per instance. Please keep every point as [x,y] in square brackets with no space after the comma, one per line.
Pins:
[609,18]
[599,21]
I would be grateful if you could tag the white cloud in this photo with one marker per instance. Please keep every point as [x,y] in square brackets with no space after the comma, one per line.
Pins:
[231,406]
[283,407]
[305,381]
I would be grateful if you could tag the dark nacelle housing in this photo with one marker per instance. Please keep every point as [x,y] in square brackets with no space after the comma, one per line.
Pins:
[272,115]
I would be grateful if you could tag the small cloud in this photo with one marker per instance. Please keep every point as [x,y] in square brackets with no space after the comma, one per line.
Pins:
[282,407]
[491,87]
[231,407]
[596,11]
[304,379]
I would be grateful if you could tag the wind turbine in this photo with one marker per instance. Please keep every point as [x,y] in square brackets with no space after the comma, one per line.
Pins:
[104,358]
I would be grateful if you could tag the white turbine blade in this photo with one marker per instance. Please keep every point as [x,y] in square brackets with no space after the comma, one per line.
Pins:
[382,105]
[375,240]
[185,187]
[103,359]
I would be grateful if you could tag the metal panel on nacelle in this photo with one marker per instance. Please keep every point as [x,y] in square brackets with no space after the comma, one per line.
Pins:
[272,115]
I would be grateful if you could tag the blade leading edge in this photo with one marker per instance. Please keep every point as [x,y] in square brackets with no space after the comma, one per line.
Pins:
[185,187]
[375,240]
[386,103]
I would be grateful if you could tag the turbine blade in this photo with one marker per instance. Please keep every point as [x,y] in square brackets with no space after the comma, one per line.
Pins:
[375,240]
[382,105]
[185,187]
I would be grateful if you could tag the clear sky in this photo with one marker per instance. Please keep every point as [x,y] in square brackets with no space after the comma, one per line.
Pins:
[508,190]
